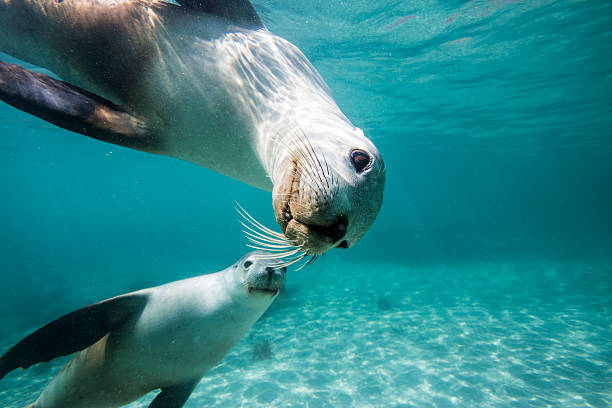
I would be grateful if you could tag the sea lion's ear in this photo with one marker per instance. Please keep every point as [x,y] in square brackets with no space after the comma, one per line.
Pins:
[72,332]
[240,12]
[72,108]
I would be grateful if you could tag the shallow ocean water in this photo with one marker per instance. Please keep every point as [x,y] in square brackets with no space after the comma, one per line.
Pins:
[486,280]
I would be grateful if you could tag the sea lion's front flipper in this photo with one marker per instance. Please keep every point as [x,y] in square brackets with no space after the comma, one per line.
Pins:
[238,11]
[174,397]
[72,108]
[72,332]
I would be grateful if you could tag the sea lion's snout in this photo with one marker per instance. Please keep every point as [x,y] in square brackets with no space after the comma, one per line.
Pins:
[263,275]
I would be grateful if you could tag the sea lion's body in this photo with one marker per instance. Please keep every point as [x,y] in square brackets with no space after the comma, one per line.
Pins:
[154,60]
[172,342]
[165,337]
[204,82]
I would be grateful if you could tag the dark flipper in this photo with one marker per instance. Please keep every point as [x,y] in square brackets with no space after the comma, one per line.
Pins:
[72,332]
[72,108]
[238,11]
[173,397]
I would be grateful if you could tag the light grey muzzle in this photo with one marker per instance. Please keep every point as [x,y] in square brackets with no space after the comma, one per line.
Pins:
[268,280]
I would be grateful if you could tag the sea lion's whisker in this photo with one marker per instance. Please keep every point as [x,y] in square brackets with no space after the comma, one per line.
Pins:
[256,223]
[275,255]
[302,157]
[272,254]
[296,199]
[272,247]
[276,245]
[261,235]
[293,261]
[312,180]
[308,167]
[292,153]
[266,238]
[309,152]
[309,163]
[264,234]
[327,167]
[286,263]
[309,262]
[271,244]
[313,153]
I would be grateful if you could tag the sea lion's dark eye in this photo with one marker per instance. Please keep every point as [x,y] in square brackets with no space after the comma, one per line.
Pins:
[247,264]
[361,159]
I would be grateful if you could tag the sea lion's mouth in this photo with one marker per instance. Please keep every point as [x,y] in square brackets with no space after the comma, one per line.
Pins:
[333,232]
[315,238]
[266,291]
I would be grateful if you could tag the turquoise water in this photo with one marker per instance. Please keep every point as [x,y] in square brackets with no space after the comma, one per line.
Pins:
[487,278]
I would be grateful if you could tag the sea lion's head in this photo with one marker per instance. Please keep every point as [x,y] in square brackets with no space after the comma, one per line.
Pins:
[259,274]
[328,178]
[330,191]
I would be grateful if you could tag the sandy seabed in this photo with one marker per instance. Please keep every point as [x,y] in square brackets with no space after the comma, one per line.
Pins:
[487,335]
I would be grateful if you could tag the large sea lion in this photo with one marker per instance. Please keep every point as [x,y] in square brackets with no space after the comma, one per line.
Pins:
[164,337]
[206,82]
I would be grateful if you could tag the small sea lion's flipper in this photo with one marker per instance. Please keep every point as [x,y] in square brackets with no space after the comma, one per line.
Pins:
[72,108]
[174,397]
[240,12]
[72,332]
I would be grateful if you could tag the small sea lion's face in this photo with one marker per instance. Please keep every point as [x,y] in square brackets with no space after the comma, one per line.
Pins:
[330,195]
[259,274]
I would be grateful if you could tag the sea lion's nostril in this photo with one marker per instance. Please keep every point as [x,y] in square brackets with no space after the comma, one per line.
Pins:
[338,229]
[342,223]
[270,271]
[343,245]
